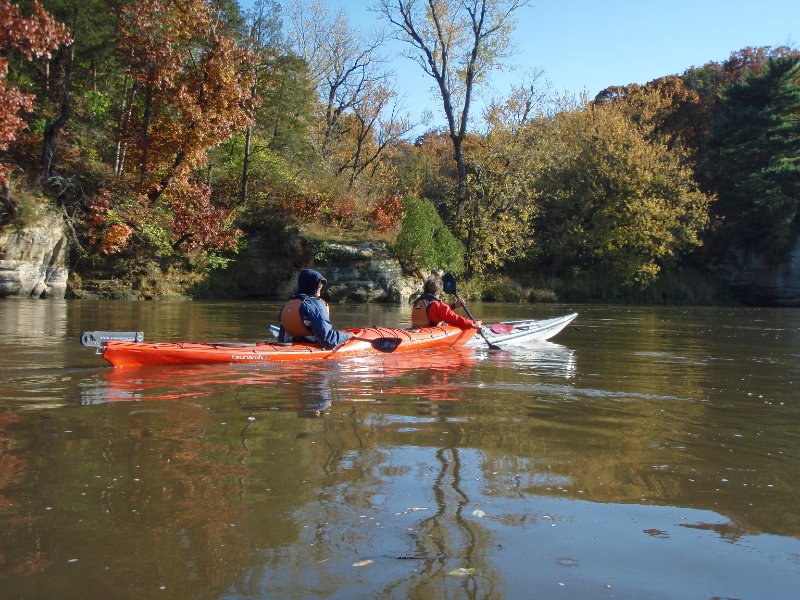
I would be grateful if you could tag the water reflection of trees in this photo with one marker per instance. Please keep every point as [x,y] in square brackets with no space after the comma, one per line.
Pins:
[278,503]
[156,499]
[26,559]
[449,541]
[346,460]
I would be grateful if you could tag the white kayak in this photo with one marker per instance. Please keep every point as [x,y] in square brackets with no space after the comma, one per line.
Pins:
[512,332]
[515,332]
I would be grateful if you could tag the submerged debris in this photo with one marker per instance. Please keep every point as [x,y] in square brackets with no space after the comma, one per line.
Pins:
[363,563]
[462,572]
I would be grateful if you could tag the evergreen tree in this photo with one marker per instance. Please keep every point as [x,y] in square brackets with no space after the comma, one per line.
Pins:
[757,163]
[424,242]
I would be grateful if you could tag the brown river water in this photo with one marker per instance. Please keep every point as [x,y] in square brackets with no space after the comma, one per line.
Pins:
[645,452]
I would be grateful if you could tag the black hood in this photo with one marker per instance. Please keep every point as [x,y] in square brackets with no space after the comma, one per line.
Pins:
[308,281]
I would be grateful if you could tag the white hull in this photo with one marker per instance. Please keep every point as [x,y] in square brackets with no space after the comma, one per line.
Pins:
[525,331]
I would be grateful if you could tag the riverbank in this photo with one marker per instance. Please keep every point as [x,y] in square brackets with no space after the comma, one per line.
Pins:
[41,258]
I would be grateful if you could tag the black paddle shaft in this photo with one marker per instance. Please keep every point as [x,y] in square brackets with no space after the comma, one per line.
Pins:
[449,284]
[381,344]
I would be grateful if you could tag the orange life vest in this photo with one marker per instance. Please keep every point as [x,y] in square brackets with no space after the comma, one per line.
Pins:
[419,314]
[292,321]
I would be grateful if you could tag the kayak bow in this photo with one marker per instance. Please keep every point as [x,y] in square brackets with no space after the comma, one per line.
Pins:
[507,333]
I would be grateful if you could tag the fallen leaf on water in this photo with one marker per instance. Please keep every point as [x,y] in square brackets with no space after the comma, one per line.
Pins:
[461,572]
[363,563]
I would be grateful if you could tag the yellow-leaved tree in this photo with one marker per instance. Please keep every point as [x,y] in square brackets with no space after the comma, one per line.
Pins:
[501,171]
[457,43]
[612,197]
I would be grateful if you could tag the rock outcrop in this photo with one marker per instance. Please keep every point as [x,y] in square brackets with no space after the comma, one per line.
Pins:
[760,284]
[365,272]
[33,260]
[358,272]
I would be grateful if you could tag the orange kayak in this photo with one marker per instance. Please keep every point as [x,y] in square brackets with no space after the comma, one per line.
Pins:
[366,342]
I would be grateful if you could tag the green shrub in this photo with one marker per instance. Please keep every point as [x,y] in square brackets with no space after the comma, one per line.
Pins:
[542,295]
[37,126]
[28,203]
[502,289]
[424,242]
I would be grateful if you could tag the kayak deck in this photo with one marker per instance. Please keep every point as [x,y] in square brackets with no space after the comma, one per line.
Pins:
[526,330]
[134,354]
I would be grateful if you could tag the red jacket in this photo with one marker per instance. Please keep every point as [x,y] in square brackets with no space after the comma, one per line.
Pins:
[439,312]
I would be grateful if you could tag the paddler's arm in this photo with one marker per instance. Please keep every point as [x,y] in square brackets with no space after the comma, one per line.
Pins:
[321,325]
[439,311]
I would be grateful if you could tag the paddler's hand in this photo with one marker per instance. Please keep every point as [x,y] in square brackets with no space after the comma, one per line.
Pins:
[477,324]
[458,304]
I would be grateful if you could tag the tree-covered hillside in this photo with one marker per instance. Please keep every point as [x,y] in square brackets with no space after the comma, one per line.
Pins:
[168,132]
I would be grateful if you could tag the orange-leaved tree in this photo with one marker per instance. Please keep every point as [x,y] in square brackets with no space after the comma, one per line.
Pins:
[33,36]
[192,91]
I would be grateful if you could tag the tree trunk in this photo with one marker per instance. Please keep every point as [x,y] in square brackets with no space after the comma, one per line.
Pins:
[124,146]
[53,130]
[146,116]
[245,165]
[247,141]
[8,204]
[461,168]
[156,192]
[120,125]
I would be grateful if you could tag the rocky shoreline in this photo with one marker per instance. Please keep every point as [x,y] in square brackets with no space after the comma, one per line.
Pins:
[33,264]
[34,259]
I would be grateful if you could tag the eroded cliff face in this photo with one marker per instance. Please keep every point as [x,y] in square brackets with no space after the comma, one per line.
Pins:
[761,284]
[363,272]
[366,272]
[33,259]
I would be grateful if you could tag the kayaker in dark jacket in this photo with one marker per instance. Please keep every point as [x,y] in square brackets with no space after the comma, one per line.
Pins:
[305,316]
[429,310]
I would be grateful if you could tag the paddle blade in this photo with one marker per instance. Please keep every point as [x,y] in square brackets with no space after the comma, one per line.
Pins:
[501,328]
[449,284]
[386,344]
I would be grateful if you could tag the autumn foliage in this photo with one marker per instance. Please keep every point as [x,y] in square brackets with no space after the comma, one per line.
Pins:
[387,213]
[193,82]
[33,36]
[196,222]
[182,126]
[191,92]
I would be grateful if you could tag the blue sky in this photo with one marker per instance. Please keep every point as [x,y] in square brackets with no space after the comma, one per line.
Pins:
[588,45]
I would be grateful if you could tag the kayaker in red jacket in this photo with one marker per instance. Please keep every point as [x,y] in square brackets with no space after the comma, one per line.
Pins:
[430,311]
